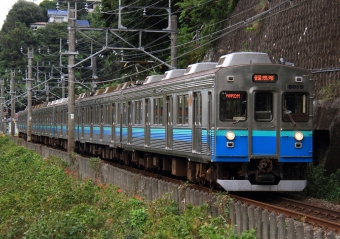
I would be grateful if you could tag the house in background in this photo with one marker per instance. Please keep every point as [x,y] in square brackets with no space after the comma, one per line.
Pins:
[56,15]
[92,4]
[36,25]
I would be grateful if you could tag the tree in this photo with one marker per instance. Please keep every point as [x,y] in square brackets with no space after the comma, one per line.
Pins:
[45,5]
[23,12]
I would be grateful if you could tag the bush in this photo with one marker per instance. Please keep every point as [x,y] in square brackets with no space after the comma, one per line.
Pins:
[43,199]
[321,185]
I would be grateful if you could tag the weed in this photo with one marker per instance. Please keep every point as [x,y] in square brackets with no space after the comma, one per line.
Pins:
[41,199]
[330,91]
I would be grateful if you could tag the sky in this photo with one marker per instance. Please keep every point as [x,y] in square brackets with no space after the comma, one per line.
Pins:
[6,5]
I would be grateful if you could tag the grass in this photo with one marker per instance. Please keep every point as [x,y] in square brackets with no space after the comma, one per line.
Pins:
[41,198]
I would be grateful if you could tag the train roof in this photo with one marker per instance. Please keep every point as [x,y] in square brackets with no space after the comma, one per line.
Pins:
[202,66]
[243,58]
[173,73]
[152,78]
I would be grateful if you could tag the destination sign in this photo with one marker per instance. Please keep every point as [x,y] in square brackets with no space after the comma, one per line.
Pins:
[233,95]
[264,78]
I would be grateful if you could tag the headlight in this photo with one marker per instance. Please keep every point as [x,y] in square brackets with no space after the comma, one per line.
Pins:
[230,135]
[298,136]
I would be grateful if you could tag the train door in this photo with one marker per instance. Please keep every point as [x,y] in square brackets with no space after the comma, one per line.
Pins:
[264,126]
[197,123]
[147,122]
[129,115]
[169,119]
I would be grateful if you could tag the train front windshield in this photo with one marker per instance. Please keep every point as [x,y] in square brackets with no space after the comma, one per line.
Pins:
[233,106]
[295,107]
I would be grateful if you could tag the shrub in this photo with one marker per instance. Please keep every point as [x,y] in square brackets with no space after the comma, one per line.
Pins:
[321,185]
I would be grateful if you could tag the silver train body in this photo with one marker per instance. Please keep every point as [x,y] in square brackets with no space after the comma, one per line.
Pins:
[243,122]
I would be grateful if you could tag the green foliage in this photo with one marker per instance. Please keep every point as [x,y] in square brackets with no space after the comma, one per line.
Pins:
[200,20]
[42,199]
[254,26]
[45,5]
[321,185]
[95,164]
[23,12]
[330,91]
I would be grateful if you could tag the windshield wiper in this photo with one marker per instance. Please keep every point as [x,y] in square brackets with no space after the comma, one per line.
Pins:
[288,112]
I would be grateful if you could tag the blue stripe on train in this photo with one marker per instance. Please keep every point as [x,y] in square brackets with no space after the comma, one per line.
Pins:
[237,153]
[263,142]
[288,150]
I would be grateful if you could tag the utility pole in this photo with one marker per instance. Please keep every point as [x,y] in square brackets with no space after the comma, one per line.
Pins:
[71,75]
[3,124]
[29,94]
[12,103]
[62,78]
[174,42]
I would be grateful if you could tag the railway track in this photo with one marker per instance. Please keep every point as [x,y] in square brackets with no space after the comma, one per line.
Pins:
[317,216]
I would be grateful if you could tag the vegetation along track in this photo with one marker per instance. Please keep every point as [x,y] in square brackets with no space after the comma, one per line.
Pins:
[317,216]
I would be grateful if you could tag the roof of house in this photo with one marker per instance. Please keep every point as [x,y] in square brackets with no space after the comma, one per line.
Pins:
[56,12]
[38,23]
[82,23]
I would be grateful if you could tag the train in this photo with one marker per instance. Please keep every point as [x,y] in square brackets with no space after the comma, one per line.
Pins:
[243,123]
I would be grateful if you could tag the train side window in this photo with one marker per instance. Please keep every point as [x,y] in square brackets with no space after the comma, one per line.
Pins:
[295,107]
[82,115]
[113,109]
[96,115]
[263,106]
[182,110]
[101,114]
[138,112]
[91,115]
[233,106]
[186,110]
[125,112]
[198,108]
[107,115]
[118,115]
[158,111]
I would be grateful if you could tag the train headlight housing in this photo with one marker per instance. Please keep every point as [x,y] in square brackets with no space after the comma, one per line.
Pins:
[298,136]
[230,135]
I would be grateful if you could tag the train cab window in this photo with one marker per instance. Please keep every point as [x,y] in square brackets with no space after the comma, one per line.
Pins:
[182,110]
[233,106]
[263,106]
[158,111]
[295,107]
